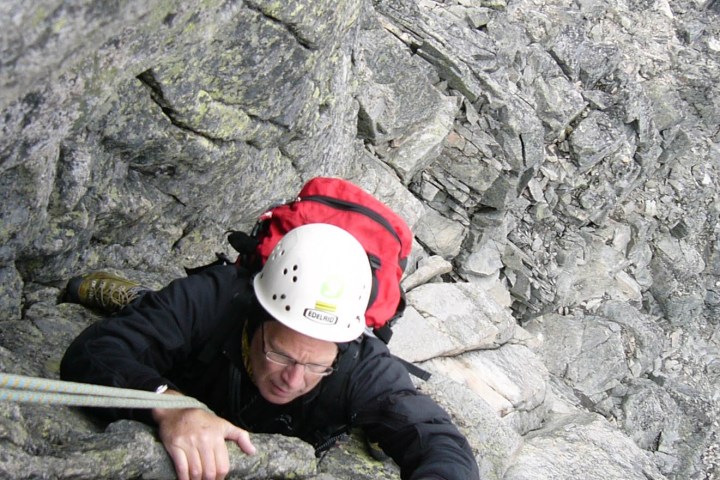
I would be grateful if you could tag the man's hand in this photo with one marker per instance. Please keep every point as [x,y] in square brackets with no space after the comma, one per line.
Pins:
[195,440]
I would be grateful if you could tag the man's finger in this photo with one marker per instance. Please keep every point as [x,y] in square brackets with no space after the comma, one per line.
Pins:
[207,462]
[180,461]
[222,462]
[242,438]
[195,466]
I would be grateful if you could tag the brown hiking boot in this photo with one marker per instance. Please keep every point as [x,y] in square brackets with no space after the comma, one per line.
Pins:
[103,291]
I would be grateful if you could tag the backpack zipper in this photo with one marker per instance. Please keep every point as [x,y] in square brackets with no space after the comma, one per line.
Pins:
[354,207]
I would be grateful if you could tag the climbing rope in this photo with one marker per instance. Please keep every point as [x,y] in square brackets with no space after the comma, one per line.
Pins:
[20,388]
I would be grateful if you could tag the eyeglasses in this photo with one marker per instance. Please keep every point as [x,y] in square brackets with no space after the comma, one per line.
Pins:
[286,361]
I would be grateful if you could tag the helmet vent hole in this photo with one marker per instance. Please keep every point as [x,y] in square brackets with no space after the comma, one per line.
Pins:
[282,297]
[274,297]
[285,271]
[295,267]
[287,308]
[294,278]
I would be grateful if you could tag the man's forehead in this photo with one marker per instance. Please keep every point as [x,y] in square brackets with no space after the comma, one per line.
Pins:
[282,335]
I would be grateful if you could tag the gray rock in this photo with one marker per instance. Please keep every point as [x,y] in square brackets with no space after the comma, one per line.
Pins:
[426,270]
[458,316]
[10,293]
[602,275]
[378,179]
[492,440]
[484,260]
[392,102]
[50,442]
[419,147]
[645,340]
[350,459]
[596,137]
[558,101]
[513,382]
[599,452]
[129,449]
[416,338]
[440,235]
[578,140]
[652,418]
[587,352]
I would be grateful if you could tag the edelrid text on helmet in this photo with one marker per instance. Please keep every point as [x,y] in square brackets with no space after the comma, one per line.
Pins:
[317,281]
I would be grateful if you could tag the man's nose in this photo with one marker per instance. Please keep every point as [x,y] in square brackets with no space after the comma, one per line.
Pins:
[294,375]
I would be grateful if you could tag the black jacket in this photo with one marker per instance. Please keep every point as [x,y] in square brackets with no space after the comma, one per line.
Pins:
[171,338]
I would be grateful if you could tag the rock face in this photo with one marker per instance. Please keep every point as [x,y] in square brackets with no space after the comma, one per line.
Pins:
[557,160]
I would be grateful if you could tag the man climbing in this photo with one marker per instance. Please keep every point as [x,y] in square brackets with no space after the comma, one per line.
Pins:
[282,351]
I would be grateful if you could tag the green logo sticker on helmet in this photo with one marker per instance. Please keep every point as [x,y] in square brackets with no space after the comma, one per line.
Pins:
[332,287]
[328,307]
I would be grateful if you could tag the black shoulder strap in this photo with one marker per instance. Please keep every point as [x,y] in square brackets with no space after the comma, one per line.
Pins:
[414,369]
[221,259]
[385,332]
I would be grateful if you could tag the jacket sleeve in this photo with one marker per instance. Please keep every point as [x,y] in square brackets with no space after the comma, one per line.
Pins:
[409,426]
[137,347]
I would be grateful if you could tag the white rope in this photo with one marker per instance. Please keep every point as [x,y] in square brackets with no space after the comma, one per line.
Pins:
[20,388]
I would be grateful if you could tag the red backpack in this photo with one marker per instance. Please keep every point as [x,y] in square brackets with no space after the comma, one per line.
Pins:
[386,237]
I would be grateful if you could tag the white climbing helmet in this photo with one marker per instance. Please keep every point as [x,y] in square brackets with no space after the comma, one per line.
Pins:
[317,281]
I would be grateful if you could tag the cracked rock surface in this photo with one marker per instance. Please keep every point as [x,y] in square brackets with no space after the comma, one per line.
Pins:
[558,162]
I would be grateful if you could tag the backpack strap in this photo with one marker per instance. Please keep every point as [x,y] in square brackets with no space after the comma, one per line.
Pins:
[221,259]
[246,245]
[384,333]
[414,369]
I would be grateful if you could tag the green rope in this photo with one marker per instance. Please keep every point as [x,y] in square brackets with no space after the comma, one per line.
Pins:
[20,388]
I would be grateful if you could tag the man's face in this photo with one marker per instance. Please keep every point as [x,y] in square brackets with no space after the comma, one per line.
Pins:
[281,384]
